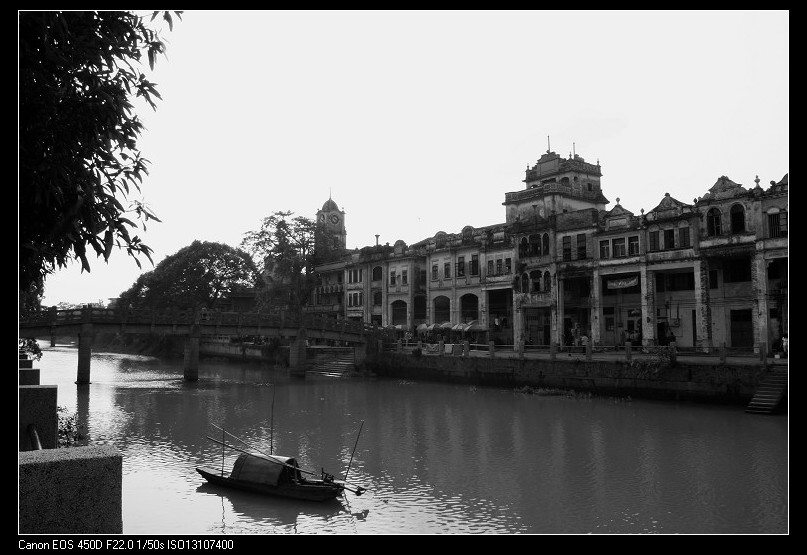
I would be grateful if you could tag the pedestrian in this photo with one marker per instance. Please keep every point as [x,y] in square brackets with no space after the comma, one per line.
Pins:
[784,344]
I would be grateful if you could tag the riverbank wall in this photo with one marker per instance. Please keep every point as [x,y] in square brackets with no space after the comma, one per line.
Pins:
[713,383]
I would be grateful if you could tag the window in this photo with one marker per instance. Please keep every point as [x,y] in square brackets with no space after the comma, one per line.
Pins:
[447,270]
[535,245]
[546,244]
[590,187]
[354,276]
[605,249]
[392,277]
[736,270]
[683,237]
[737,214]
[567,248]
[654,241]
[434,271]
[474,264]
[404,277]
[460,266]
[377,273]
[633,246]
[523,247]
[498,266]
[581,246]
[618,246]
[713,222]
[507,266]
[490,267]
[547,282]
[377,296]
[777,224]
[669,239]
[525,283]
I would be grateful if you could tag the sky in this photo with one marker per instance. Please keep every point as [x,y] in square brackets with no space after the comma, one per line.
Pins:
[415,122]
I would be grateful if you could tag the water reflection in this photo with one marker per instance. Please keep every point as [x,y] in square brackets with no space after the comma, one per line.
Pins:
[435,458]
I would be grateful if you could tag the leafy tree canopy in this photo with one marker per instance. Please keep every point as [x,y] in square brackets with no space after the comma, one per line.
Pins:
[79,162]
[196,276]
[283,249]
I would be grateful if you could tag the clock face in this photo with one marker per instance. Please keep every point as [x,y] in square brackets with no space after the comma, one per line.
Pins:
[335,218]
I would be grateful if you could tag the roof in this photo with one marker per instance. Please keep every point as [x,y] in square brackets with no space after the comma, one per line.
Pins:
[259,470]
[329,206]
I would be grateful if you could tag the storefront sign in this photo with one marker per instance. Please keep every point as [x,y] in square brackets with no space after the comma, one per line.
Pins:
[622,283]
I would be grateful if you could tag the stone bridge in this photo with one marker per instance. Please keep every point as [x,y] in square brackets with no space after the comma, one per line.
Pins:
[85,322]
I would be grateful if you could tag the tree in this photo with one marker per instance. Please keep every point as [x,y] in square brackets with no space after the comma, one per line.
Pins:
[283,249]
[79,162]
[199,275]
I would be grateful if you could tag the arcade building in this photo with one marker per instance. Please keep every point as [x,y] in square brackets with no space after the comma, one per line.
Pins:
[562,266]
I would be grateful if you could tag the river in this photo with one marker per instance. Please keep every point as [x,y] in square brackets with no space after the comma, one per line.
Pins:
[435,458]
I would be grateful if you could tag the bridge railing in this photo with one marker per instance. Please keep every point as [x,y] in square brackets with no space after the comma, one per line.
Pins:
[206,318]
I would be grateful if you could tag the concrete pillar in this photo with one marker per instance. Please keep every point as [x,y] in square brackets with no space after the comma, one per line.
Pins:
[759,280]
[588,350]
[628,353]
[553,350]
[399,346]
[703,316]
[520,348]
[191,360]
[596,308]
[441,349]
[673,352]
[85,338]
[723,353]
[466,348]
[763,352]
[297,353]
[492,348]
[559,310]
[52,340]
[648,299]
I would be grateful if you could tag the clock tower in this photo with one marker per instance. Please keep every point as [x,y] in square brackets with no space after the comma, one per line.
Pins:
[331,226]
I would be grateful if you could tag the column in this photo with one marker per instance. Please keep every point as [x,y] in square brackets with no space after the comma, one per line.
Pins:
[596,308]
[557,336]
[648,296]
[85,339]
[191,359]
[703,316]
[759,282]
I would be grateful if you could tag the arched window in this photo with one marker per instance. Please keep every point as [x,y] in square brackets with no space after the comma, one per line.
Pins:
[523,247]
[377,273]
[399,313]
[535,245]
[525,283]
[546,244]
[442,309]
[547,282]
[737,218]
[713,222]
[535,277]
[469,308]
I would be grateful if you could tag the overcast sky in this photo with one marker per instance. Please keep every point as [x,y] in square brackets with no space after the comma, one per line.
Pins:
[416,122]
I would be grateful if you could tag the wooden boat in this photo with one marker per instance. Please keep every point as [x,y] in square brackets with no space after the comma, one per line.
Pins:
[273,475]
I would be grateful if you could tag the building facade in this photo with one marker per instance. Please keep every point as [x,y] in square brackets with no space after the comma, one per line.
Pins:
[562,266]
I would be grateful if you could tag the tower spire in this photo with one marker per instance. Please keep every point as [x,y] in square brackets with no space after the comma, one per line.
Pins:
[548,148]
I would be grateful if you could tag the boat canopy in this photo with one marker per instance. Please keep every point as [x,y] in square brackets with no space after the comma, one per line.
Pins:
[251,468]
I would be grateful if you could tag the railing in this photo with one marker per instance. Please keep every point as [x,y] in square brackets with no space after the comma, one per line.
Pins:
[204,318]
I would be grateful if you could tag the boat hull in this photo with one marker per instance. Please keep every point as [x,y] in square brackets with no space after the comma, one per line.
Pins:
[309,490]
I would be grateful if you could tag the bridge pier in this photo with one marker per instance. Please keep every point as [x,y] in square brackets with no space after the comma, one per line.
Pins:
[191,358]
[297,354]
[85,338]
